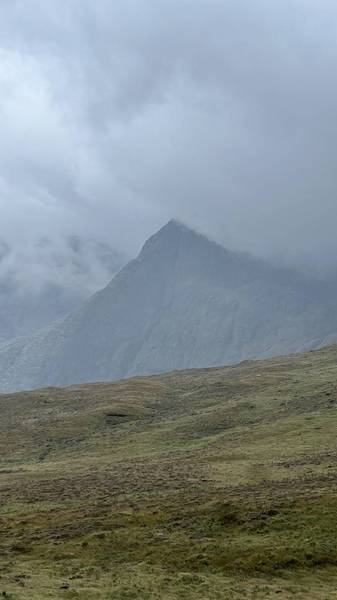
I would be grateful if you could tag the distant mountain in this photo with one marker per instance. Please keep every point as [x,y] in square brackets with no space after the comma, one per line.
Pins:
[184,302]
[49,279]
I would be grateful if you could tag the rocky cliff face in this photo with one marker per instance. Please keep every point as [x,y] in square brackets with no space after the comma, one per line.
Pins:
[184,302]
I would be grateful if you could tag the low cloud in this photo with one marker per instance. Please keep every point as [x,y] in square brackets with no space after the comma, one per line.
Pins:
[115,117]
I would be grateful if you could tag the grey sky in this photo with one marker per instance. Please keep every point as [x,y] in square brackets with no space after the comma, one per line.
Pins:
[116,116]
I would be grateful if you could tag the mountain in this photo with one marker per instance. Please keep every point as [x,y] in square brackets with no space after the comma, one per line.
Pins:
[49,279]
[206,484]
[184,302]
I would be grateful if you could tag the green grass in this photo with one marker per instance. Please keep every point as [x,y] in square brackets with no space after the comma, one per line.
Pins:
[203,484]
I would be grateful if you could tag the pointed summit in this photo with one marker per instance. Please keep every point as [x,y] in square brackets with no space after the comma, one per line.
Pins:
[172,223]
[171,236]
[167,236]
[176,225]
[173,228]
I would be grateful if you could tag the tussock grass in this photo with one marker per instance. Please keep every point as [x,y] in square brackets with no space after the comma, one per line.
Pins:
[213,483]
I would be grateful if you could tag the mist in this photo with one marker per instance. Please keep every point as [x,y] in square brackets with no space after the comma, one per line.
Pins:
[116,117]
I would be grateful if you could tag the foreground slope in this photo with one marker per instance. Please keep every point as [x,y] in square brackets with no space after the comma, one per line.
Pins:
[184,302]
[212,483]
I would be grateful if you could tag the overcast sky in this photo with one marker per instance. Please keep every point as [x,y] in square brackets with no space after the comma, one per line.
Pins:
[116,116]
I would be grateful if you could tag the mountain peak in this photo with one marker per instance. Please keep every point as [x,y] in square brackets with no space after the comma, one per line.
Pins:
[169,235]
[184,302]
[174,225]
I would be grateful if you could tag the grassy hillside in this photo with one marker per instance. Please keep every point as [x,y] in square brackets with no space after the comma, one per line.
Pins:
[204,484]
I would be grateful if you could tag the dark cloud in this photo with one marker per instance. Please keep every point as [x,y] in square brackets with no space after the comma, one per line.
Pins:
[116,116]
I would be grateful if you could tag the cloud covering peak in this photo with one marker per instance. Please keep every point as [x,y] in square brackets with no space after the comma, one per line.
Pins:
[117,116]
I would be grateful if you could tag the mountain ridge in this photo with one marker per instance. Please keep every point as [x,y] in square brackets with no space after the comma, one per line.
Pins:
[184,302]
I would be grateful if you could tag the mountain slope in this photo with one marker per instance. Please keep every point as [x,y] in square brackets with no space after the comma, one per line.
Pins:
[184,302]
[48,280]
[212,483]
